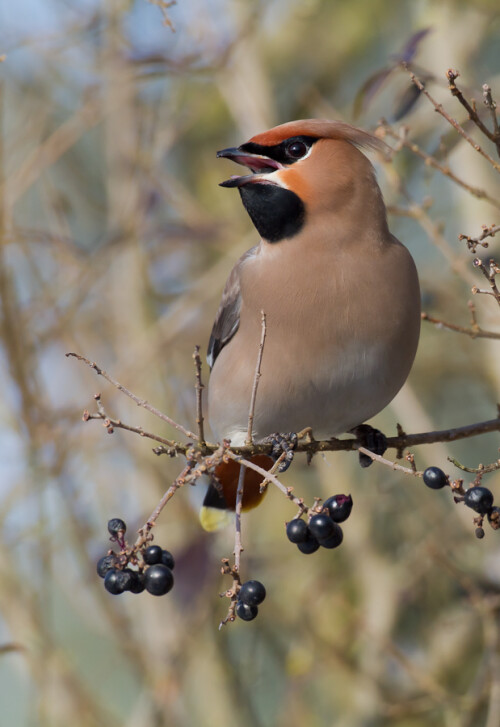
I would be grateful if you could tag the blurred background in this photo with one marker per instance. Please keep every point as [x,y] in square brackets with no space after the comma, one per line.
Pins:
[116,242]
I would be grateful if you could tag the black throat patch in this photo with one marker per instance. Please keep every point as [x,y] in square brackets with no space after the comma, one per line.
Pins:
[277,213]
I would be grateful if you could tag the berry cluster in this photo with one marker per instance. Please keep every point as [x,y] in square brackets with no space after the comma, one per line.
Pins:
[153,573]
[323,528]
[250,596]
[477,497]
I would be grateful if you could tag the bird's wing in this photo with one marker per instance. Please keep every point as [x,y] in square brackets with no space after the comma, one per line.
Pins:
[227,319]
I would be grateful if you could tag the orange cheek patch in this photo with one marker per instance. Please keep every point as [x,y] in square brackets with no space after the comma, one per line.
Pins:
[228,474]
[296,182]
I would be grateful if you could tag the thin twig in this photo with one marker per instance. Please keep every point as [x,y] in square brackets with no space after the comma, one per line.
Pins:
[388,463]
[482,469]
[439,108]
[435,164]
[473,242]
[199,394]
[452,75]
[475,332]
[287,491]
[237,529]
[251,412]
[140,402]
[489,273]
[150,522]
[490,104]
[112,424]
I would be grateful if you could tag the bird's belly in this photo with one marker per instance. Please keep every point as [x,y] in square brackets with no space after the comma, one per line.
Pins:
[331,396]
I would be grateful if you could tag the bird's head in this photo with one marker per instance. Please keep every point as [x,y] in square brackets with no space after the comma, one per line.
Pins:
[304,169]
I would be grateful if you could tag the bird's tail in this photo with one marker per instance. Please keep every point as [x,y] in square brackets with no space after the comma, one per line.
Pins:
[220,499]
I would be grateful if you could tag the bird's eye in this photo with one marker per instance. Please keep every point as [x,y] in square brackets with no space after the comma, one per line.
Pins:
[296,149]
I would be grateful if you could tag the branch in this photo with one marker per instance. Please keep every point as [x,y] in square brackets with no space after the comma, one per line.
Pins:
[431,161]
[471,110]
[439,108]
[249,439]
[475,332]
[199,393]
[489,273]
[140,402]
[473,242]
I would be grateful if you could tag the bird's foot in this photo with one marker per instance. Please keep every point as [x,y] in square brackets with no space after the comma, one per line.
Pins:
[369,438]
[282,443]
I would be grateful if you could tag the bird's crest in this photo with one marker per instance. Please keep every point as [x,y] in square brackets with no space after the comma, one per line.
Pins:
[320,129]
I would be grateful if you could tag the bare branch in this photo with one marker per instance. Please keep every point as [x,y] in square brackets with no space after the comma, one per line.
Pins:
[199,394]
[474,332]
[140,402]
[491,105]
[431,161]
[249,439]
[473,115]
[489,273]
[473,242]
[237,529]
[439,108]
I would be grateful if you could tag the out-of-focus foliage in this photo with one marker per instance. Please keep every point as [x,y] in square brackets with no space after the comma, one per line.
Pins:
[116,241]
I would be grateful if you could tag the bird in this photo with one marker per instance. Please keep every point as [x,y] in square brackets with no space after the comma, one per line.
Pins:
[339,292]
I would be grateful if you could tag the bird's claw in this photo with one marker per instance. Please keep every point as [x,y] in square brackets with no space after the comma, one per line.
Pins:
[369,438]
[282,443]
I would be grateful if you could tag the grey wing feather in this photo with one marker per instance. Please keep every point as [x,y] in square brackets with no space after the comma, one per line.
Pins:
[227,319]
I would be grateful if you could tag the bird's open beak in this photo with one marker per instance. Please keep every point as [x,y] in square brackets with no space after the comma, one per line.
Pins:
[259,165]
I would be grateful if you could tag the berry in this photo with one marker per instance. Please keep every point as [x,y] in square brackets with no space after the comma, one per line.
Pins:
[297,531]
[246,612]
[335,538]
[159,579]
[479,533]
[105,564]
[435,478]
[138,582]
[339,507]
[117,581]
[494,517]
[167,559]
[479,499]
[321,526]
[252,593]
[115,525]
[152,555]
[308,546]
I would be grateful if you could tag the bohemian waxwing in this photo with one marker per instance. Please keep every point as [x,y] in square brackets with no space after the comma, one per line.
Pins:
[340,295]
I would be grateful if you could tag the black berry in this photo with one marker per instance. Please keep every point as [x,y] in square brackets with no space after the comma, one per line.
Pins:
[321,526]
[117,581]
[297,531]
[115,525]
[159,579]
[167,559]
[152,555]
[252,593]
[479,499]
[138,583]
[335,538]
[339,507]
[105,564]
[309,546]
[435,478]
[246,612]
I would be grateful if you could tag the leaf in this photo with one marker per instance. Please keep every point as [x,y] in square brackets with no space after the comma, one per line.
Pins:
[409,50]
[369,89]
[407,99]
